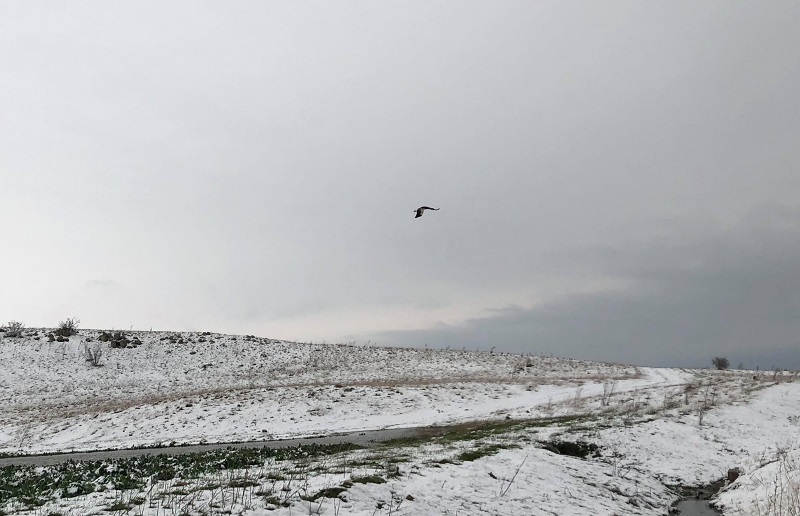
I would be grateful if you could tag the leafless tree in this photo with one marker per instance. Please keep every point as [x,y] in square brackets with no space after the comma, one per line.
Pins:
[721,363]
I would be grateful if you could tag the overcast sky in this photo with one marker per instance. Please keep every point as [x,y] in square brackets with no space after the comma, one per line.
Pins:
[616,180]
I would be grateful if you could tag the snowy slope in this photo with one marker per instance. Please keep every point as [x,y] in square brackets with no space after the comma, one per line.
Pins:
[659,428]
[220,388]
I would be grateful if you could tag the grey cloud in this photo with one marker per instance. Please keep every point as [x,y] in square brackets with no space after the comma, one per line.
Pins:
[736,295]
[240,166]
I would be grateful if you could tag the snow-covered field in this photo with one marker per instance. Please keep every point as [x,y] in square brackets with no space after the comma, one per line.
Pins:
[194,387]
[655,428]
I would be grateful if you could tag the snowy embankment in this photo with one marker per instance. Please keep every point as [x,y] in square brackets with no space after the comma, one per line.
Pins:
[640,460]
[654,429]
[200,387]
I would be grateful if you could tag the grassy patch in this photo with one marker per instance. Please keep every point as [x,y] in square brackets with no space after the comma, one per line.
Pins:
[118,506]
[275,475]
[331,492]
[364,463]
[34,486]
[274,500]
[483,451]
[242,482]
[580,449]
[368,479]
[475,430]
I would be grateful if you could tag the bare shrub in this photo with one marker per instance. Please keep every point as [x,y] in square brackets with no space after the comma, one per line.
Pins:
[708,401]
[721,363]
[608,391]
[92,354]
[14,329]
[688,391]
[577,400]
[701,409]
[68,327]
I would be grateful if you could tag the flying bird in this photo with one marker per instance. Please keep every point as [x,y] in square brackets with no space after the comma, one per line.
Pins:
[422,209]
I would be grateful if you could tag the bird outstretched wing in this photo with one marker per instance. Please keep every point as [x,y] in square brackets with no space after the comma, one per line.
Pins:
[422,209]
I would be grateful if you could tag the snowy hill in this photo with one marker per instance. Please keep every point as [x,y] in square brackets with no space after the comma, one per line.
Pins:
[193,387]
[651,429]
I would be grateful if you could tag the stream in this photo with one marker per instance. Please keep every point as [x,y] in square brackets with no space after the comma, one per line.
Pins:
[695,500]
[696,508]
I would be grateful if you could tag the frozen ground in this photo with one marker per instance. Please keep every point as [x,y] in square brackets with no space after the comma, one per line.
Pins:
[658,429]
[641,457]
[192,387]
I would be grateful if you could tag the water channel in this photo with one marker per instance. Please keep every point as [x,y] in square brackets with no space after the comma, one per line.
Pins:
[689,507]
[696,508]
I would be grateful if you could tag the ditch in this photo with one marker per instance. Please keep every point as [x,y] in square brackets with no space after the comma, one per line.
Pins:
[696,500]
